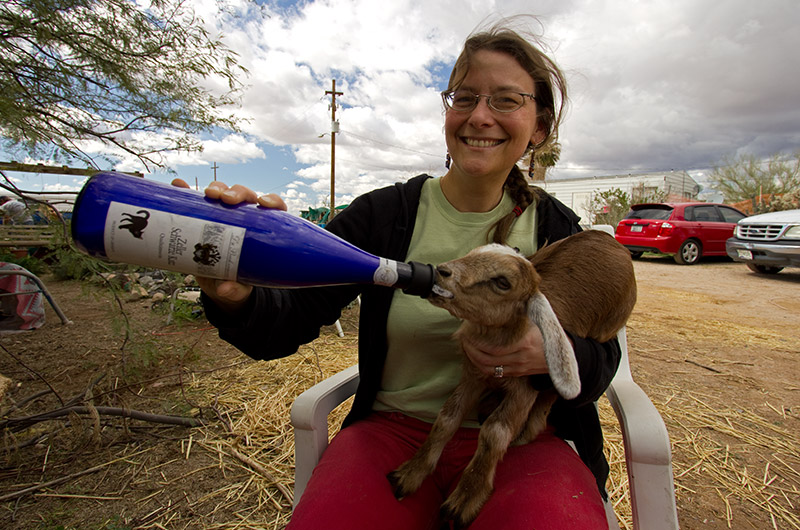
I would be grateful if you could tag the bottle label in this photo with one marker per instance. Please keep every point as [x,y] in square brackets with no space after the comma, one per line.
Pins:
[386,273]
[164,240]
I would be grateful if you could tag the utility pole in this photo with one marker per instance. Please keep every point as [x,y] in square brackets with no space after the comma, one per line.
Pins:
[215,167]
[334,129]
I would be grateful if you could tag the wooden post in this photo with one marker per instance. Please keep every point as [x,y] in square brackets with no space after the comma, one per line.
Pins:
[334,129]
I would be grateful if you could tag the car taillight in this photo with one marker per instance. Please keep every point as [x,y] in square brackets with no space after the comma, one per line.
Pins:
[665,229]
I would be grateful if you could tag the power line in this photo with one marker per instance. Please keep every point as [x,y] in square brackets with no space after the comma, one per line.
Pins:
[630,170]
[361,163]
[372,140]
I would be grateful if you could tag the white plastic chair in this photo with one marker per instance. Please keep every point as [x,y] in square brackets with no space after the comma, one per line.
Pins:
[648,455]
[339,330]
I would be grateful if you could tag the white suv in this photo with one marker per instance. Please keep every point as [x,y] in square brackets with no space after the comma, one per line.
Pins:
[767,242]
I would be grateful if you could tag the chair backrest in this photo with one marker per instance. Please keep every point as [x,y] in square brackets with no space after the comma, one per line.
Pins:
[624,370]
[608,229]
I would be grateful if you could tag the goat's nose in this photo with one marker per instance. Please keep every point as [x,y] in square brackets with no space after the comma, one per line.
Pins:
[444,272]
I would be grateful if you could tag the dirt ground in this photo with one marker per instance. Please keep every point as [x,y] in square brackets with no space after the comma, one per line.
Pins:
[713,345]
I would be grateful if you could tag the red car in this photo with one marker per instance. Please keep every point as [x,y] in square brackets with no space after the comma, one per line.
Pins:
[688,230]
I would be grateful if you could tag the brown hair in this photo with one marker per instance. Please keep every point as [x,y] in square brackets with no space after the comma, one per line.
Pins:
[550,91]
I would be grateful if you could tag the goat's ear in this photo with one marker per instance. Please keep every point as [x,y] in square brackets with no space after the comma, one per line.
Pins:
[558,351]
[530,271]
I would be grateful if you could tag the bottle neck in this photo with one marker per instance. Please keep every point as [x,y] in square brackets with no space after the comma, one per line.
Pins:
[415,278]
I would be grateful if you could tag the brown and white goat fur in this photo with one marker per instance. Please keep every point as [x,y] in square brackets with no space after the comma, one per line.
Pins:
[584,284]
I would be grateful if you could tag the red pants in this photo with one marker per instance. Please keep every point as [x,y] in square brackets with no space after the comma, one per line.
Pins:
[542,485]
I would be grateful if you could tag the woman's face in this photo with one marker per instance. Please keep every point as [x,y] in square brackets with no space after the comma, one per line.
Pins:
[483,142]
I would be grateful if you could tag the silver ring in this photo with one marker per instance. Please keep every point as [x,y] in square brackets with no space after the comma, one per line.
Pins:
[498,371]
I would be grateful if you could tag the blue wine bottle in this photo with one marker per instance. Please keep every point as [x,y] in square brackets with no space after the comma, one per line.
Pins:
[132,220]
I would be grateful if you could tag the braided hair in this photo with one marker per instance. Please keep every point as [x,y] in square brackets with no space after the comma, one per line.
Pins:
[517,187]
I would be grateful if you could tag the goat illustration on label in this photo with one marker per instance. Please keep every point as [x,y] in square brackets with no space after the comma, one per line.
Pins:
[135,224]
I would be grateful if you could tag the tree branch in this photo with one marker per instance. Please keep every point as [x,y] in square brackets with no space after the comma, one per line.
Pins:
[25,422]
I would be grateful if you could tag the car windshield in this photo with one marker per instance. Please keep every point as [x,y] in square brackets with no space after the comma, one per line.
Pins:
[649,213]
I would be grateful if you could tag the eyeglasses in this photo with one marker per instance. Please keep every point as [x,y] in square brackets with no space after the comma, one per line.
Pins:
[465,101]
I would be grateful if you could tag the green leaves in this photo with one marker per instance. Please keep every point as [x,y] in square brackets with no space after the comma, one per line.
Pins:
[750,178]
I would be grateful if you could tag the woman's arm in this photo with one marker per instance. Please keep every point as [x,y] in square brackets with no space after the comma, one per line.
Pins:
[597,365]
[273,323]
[276,322]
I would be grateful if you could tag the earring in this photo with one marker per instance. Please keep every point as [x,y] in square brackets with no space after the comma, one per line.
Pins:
[532,165]
[447,161]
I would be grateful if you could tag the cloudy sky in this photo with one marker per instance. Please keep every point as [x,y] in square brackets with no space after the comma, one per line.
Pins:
[655,85]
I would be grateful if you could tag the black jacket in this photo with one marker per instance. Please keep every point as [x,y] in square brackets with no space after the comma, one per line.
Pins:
[382,222]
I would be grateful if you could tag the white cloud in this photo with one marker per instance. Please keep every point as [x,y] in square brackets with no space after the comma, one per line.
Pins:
[232,149]
[680,84]
[654,85]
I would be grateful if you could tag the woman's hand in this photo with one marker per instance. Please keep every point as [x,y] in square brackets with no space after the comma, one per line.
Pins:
[228,294]
[524,357]
[237,194]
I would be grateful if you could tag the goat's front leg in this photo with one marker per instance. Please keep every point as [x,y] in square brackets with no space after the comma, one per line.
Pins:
[408,478]
[497,433]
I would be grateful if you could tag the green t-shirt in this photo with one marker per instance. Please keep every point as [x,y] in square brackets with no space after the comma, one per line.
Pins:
[423,364]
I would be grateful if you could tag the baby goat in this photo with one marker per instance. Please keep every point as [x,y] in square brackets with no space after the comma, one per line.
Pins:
[584,284]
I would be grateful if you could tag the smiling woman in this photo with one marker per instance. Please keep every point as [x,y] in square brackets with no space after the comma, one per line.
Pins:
[504,98]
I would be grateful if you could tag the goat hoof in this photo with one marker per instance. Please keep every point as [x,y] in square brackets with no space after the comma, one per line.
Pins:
[462,507]
[447,513]
[395,480]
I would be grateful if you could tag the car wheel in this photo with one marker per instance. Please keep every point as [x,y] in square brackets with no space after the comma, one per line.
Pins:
[636,255]
[689,253]
[764,269]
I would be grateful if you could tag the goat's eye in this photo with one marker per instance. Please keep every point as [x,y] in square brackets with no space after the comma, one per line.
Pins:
[502,283]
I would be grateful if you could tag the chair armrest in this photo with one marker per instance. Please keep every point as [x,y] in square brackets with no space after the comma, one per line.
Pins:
[309,419]
[642,427]
[648,453]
